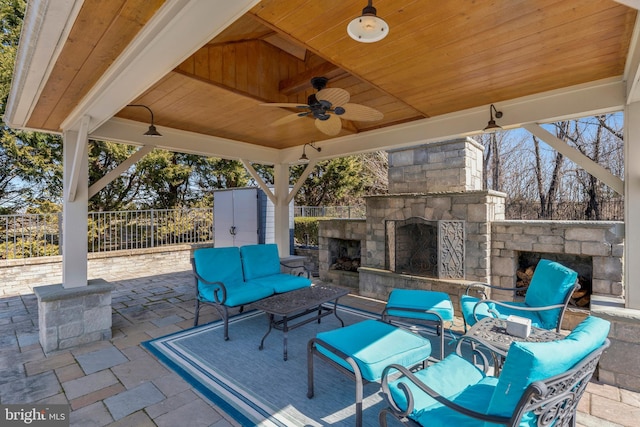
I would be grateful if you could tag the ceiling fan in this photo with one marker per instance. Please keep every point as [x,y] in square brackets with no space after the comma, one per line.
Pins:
[327,106]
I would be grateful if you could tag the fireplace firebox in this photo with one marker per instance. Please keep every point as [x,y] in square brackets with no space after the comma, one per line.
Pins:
[422,247]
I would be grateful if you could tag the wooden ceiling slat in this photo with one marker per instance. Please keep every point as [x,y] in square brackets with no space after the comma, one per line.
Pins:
[439,57]
[100,34]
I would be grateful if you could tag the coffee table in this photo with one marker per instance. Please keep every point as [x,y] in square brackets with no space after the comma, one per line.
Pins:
[492,334]
[293,305]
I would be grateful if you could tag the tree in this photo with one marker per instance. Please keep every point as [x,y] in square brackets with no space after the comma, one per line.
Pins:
[330,182]
[30,162]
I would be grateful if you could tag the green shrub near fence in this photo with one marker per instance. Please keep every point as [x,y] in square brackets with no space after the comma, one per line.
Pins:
[306,230]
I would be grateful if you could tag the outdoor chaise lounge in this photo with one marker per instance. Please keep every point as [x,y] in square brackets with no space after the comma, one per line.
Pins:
[545,301]
[230,277]
[541,384]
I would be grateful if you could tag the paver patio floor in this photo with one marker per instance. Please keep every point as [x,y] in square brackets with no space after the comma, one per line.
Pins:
[118,383]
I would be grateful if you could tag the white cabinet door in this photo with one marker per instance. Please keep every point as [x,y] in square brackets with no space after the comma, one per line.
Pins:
[245,216]
[235,214]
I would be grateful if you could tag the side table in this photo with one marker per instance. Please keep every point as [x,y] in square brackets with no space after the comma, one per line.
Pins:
[492,334]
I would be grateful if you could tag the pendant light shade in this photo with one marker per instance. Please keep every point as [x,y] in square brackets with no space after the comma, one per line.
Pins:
[368,28]
[304,158]
[492,126]
[152,131]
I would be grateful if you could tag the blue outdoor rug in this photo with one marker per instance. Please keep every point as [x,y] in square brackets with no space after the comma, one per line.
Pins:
[260,388]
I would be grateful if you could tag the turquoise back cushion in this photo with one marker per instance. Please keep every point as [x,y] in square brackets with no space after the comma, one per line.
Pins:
[260,260]
[534,361]
[549,285]
[218,265]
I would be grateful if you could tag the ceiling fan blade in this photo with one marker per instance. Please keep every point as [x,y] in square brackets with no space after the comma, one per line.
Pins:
[360,113]
[331,126]
[288,118]
[284,104]
[334,95]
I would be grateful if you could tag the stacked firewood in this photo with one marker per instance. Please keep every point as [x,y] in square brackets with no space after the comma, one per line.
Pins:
[346,264]
[580,298]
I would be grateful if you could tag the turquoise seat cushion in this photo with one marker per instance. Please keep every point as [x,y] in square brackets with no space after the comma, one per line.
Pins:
[260,260]
[218,265]
[281,282]
[549,285]
[449,377]
[475,397]
[467,304]
[238,294]
[534,361]
[374,345]
[438,302]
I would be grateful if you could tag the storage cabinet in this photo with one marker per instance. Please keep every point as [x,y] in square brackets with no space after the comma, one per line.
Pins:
[245,216]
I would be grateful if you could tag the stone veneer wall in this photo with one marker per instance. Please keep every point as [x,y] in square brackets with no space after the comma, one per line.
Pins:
[453,165]
[601,240]
[19,276]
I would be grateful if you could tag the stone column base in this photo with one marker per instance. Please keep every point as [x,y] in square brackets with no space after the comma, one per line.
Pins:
[620,364]
[68,317]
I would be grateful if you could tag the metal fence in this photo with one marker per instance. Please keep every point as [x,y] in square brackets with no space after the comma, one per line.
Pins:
[36,235]
[355,212]
[609,210]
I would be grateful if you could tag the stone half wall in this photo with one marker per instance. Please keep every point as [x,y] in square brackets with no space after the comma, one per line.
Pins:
[603,241]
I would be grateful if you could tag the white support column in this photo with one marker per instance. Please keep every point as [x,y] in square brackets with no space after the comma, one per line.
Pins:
[632,205]
[281,208]
[75,222]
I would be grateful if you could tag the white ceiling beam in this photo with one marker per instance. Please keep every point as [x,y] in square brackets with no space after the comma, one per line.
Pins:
[46,26]
[576,156]
[177,30]
[632,66]
[600,97]
[120,169]
[635,4]
[131,132]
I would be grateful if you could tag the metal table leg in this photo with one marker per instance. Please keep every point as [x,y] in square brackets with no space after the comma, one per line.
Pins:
[270,319]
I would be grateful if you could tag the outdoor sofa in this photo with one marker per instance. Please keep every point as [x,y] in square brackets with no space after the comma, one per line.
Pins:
[229,277]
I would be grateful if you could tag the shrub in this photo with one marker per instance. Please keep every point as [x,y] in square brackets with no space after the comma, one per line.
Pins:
[306,230]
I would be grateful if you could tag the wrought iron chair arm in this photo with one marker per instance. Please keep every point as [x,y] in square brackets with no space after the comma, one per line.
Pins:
[487,285]
[220,289]
[305,270]
[435,314]
[515,307]
[425,388]
[474,344]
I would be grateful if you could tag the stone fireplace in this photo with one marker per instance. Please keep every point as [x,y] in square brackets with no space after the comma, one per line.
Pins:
[439,186]
[432,231]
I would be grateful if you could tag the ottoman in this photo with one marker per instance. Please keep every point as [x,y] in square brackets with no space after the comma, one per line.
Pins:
[363,350]
[421,307]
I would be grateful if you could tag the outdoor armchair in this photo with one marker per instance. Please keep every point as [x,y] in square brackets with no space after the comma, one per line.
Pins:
[545,301]
[541,384]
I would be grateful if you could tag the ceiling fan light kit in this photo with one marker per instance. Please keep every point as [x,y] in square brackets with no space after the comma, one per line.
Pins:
[492,126]
[368,28]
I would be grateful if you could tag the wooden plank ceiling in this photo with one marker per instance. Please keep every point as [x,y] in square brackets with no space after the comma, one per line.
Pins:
[439,57]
